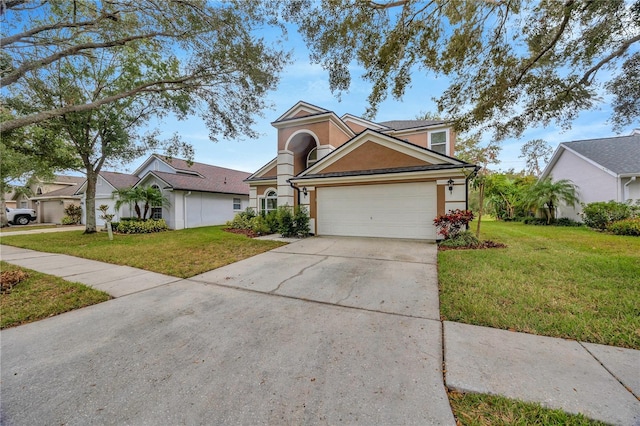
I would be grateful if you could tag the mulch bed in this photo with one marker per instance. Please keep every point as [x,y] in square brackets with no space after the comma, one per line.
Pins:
[483,245]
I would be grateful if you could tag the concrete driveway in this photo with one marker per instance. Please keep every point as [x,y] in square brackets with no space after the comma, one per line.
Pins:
[322,331]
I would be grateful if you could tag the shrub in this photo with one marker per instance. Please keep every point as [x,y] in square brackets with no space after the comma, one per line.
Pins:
[449,225]
[629,226]
[600,214]
[66,220]
[462,239]
[534,221]
[286,224]
[142,226]
[565,221]
[301,221]
[259,226]
[74,213]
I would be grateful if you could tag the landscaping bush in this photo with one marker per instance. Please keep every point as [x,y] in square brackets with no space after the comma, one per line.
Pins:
[73,215]
[534,221]
[600,214]
[286,224]
[462,239]
[301,221]
[259,226]
[451,224]
[565,221]
[66,220]
[286,221]
[625,227]
[142,226]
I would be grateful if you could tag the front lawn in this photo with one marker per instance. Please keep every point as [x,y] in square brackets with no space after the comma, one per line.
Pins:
[41,296]
[573,283]
[480,410]
[181,254]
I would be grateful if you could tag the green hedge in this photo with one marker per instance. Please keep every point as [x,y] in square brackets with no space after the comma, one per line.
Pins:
[625,227]
[140,226]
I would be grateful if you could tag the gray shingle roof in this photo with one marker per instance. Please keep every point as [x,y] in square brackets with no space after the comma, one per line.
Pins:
[619,154]
[211,179]
[410,124]
[119,180]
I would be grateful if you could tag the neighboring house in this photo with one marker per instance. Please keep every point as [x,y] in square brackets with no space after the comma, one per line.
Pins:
[199,194]
[602,169]
[106,184]
[360,178]
[50,198]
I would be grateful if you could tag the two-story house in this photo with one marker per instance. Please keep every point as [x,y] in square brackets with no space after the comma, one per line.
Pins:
[360,178]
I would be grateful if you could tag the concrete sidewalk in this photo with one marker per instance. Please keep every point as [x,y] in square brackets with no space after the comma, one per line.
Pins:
[601,382]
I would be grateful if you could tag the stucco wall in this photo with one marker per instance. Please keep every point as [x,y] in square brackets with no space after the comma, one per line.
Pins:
[203,209]
[593,183]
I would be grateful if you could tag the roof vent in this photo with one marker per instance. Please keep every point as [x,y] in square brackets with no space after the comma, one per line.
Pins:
[225,180]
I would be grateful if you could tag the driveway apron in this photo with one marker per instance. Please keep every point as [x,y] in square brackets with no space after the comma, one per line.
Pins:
[322,331]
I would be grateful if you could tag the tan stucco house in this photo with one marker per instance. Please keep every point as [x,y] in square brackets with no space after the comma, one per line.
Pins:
[361,178]
[50,197]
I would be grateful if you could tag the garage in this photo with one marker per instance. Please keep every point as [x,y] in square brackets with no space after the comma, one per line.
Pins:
[400,210]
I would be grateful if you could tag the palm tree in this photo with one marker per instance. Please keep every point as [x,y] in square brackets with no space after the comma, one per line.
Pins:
[547,194]
[153,197]
[129,196]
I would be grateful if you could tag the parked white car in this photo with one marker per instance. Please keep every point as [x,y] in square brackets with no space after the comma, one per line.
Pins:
[20,216]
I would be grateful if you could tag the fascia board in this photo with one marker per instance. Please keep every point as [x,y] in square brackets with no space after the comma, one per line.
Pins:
[299,106]
[146,177]
[382,139]
[264,168]
[312,119]
[387,177]
[362,122]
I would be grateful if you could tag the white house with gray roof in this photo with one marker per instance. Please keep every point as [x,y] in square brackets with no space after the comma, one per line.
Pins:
[603,169]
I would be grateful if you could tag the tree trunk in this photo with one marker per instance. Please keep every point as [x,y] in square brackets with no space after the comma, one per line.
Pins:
[481,207]
[3,211]
[90,201]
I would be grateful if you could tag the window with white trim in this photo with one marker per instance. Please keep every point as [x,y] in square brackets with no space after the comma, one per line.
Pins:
[312,157]
[438,141]
[237,204]
[270,202]
[156,213]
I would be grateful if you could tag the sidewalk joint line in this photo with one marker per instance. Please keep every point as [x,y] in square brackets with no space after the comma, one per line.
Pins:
[627,388]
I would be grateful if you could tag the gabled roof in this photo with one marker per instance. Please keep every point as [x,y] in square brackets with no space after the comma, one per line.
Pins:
[301,106]
[208,178]
[258,174]
[410,124]
[619,155]
[429,157]
[69,180]
[114,179]
[66,192]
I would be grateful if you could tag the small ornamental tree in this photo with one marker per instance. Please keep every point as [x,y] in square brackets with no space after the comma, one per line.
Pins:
[451,224]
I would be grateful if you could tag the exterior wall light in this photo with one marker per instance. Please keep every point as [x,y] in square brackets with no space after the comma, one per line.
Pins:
[450,182]
[304,190]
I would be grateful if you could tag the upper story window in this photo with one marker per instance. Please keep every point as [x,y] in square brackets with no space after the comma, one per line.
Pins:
[312,157]
[438,141]
[237,204]
[39,191]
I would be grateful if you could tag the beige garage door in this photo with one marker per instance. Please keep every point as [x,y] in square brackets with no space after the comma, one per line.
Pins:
[401,210]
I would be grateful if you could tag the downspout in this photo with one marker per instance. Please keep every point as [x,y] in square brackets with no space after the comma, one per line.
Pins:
[297,189]
[184,205]
[625,189]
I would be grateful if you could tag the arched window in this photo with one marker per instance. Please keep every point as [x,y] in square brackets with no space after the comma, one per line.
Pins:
[270,202]
[39,191]
[312,157]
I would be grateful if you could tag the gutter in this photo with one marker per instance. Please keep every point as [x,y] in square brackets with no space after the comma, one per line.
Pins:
[296,188]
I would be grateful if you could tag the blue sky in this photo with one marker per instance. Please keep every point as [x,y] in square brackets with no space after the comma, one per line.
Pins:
[302,80]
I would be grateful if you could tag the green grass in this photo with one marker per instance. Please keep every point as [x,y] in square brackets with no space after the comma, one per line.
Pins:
[481,410]
[573,283]
[181,254]
[41,296]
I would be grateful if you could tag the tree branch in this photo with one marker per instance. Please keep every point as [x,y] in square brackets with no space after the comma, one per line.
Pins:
[15,123]
[15,75]
[556,38]
[621,50]
[6,41]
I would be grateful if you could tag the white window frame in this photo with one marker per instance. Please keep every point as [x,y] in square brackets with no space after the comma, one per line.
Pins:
[446,140]
[312,162]
[266,197]
[239,204]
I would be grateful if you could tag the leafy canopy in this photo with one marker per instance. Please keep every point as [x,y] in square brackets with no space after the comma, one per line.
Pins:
[510,63]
